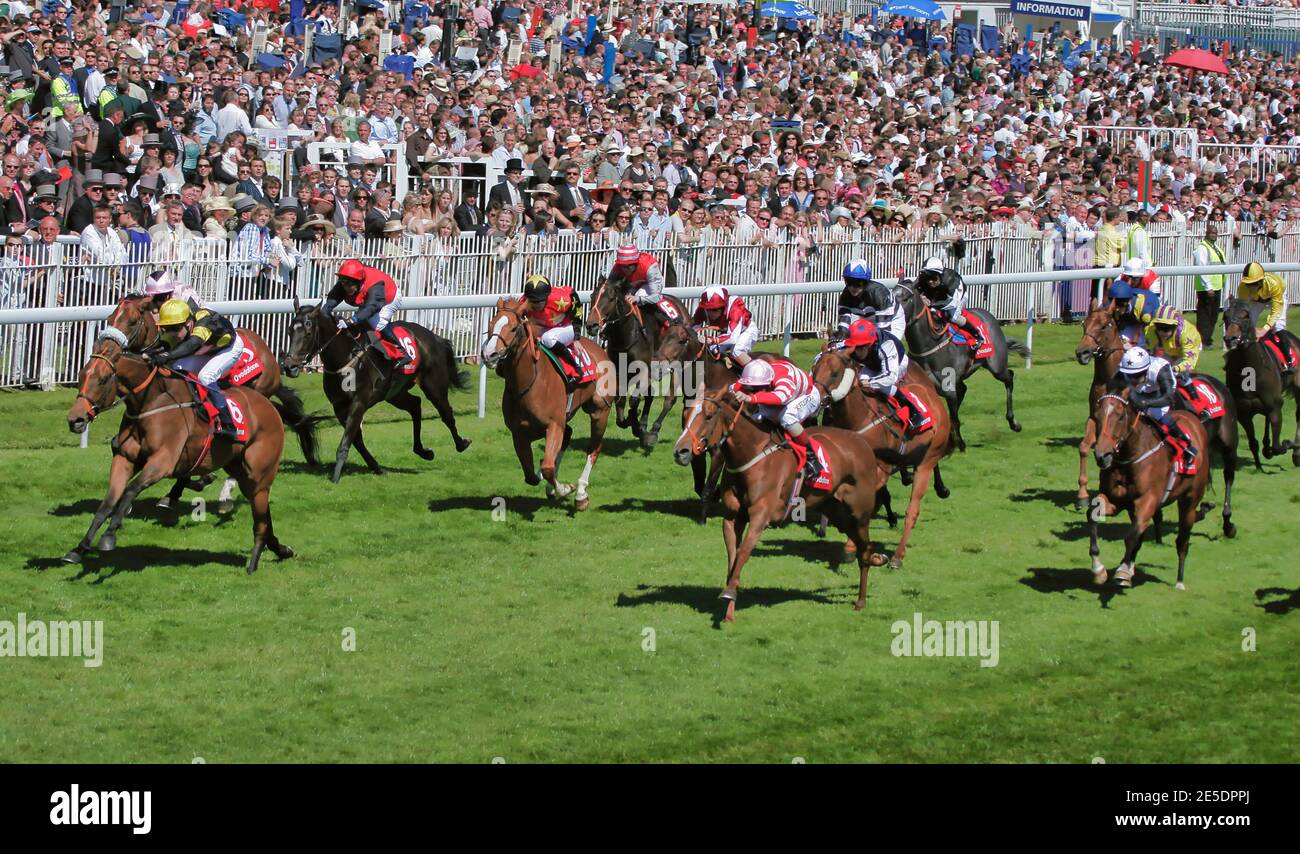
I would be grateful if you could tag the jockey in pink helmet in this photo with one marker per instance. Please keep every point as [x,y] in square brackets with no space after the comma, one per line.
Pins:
[162,286]
[785,395]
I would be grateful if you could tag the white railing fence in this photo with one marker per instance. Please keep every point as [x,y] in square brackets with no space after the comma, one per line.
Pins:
[789,278]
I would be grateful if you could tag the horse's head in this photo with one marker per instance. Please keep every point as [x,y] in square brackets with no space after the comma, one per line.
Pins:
[1100,334]
[1238,328]
[136,319]
[307,335]
[97,385]
[706,426]
[909,299]
[678,342]
[1115,421]
[506,329]
[833,373]
[607,304]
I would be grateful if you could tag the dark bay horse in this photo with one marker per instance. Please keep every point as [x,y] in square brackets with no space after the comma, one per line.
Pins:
[1102,345]
[852,409]
[1137,475]
[163,436]
[1258,385]
[760,478]
[625,336]
[929,341]
[357,377]
[535,404]
[139,331]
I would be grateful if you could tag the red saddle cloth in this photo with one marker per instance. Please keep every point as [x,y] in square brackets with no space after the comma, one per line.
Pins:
[210,409]
[824,481]
[409,348]
[586,365]
[927,417]
[1202,398]
[670,313]
[959,335]
[1278,355]
[248,368]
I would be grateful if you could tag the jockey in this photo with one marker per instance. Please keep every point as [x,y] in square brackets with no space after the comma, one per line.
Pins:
[377,299]
[643,284]
[163,286]
[883,365]
[1140,276]
[202,343]
[785,395]
[554,309]
[1132,310]
[1151,389]
[863,296]
[720,310]
[1266,292]
[1171,337]
[944,288]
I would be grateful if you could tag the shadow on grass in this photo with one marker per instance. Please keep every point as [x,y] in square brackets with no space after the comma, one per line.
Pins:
[1064,442]
[704,600]
[686,508]
[354,466]
[1289,602]
[827,552]
[616,446]
[1063,498]
[137,559]
[525,506]
[144,507]
[1050,579]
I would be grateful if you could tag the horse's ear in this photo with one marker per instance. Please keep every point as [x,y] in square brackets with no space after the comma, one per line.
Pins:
[296,304]
[1092,305]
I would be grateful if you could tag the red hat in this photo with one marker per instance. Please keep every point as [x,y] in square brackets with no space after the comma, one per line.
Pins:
[861,332]
[352,269]
[627,254]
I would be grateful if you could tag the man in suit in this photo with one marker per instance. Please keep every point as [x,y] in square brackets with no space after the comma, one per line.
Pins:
[509,193]
[380,213]
[16,208]
[193,218]
[468,216]
[81,213]
[573,205]
[253,184]
[108,154]
[58,139]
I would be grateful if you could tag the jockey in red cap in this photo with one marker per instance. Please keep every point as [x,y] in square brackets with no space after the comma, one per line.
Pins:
[722,311]
[376,297]
[884,364]
[785,395]
[642,280]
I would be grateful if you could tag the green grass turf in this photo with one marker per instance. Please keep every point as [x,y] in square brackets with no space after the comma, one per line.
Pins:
[523,638]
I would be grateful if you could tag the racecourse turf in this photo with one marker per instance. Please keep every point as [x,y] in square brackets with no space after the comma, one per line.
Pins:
[551,636]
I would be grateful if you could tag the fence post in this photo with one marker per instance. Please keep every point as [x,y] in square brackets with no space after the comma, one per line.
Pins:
[1029,332]
[482,388]
[787,308]
[50,331]
[85,357]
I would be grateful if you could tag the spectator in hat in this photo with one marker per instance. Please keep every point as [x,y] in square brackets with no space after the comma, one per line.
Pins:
[509,192]
[467,215]
[81,211]
[44,204]
[218,213]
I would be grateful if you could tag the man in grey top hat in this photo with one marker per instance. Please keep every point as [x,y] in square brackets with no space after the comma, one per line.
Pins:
[81,212]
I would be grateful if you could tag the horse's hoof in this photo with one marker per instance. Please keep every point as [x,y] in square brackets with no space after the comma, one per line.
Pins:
[850,549]
[563,490]
[532,480]
[878,559]
[1015,426]
[165,503]
[224,508]
[108,542]
[582,504]
[895,562]
[1229,530]
[283,552]
[1180,586]
[1099,575]
[649,440]
[859,605]
[1081,503]
[424,453]
[1269,454]
[73,556]
[462,445]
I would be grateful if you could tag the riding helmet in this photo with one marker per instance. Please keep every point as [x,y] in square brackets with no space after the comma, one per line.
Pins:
[352,269]
[715,297]
[862,333]
[174,312]
[1135,361]
[1253,273]
[537,288]
[757,373]
[858,271]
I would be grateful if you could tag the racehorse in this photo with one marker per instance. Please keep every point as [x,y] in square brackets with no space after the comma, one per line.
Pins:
[1143,481]
[1258,385]
[163,436]
[357,377]
[1102,345]
[535,404]
[950,363]
[624,334]
[852,409]
[139,331]
[760,479]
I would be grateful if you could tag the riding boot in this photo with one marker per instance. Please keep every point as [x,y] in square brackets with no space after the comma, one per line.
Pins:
[974,333]
[812,467]
[390,335]
[562,353]
[225,426]
[1288,366]
[903,411]
[1185,446]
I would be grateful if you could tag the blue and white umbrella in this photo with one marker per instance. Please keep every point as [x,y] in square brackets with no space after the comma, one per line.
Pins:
[925,10]
[789,9]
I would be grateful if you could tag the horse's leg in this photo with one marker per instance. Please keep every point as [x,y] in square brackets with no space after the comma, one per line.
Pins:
[619,403]
[173,495]
[919,485]
[1187,509]
[1098,509]
[670,400]
[954,413]
[1248,424]
[524,451]
[410,404]
[1085,448]
[255,476]
[862,539]
[1229,454]
[119,474]
[554,443]
[437,395]
[1273,444]
[759,516]
[1295,440]
[940,488]
[343,412]
[599,421]
[1145,508]
[157,467]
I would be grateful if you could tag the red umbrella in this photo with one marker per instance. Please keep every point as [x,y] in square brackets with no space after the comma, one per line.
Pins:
[1201,60]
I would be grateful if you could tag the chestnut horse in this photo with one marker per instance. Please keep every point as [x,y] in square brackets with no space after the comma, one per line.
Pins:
[1102,345]
[162,436]
[139,331]
[760,477]
[853,409]
[535,404]
[1258,385]
[1143,481]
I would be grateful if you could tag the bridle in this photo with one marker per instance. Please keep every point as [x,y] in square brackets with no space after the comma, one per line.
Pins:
[846,363]
[95,411]
[629,313]
[316,345]
[1119,439]
[522,338]
[1101,351]
[698,444]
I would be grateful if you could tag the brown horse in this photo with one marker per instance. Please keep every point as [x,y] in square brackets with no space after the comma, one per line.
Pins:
[1102,345]
[760,479]
[853,409]
[1143,481]
[534,403]
[1258,385]
[162,435]
[139,331]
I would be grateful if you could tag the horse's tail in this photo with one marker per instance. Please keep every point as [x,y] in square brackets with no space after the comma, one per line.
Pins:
[458,377]
[1015,345]
[294,413]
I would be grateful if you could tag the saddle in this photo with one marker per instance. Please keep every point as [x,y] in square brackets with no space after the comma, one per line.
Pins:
[825,480]
[409,346]
[1285,360]
[586,365]
[1199,398]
